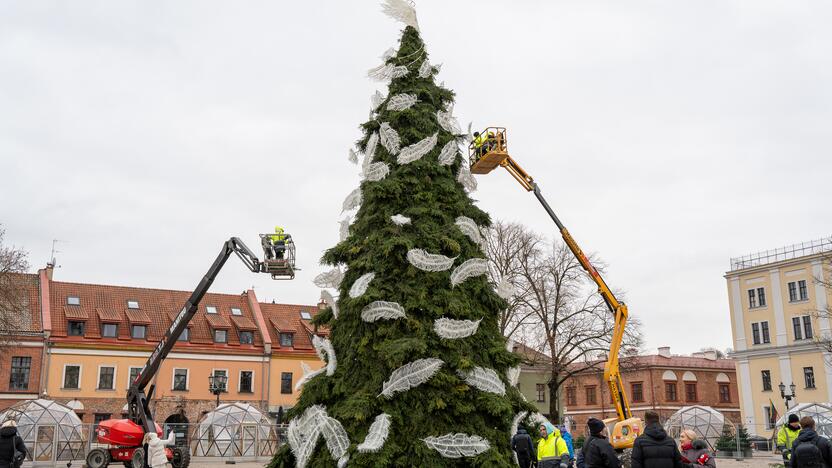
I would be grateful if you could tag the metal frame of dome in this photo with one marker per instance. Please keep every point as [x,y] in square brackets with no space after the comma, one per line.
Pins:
[65,441]
[708,423]
[234,430]
[820,412]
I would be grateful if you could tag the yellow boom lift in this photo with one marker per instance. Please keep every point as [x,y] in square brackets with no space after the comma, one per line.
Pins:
[490,151]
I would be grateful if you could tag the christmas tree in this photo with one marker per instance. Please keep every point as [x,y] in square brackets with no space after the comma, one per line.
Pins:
[417,372]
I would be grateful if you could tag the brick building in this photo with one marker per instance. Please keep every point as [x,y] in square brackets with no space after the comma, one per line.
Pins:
[662,382]
[22,351]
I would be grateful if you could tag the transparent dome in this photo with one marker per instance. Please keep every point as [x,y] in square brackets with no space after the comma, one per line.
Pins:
[48,429]
[820,412]
[234,430]
[705,421]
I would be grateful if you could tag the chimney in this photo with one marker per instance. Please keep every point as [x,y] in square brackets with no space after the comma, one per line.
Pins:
[664,351]
[710,355]
[50,268]
[698,354]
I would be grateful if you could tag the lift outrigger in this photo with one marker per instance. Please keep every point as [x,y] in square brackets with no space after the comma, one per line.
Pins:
[124,437]
[493,153]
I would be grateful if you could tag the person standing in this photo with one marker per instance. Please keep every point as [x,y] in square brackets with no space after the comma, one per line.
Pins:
[551,447]
[522,445]
[786,437]
[156,456]
[564,432]
[654,449]
[597,451]
[12,448]
[695,451]
[810,450]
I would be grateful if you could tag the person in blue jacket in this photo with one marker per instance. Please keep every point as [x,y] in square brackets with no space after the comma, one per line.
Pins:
[567,437]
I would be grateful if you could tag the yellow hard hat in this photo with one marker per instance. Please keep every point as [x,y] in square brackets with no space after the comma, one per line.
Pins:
[278,229]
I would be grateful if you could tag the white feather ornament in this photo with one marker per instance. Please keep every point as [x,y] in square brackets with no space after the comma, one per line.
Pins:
[400,220]
[513,375]
[329,279]
[377,435]
[389,138]
[378,310]
[468,137]
[352,201]
[370,149]
[428,261]
[515,423]
[376,171]
[484,379]
[465,178]
[469,268]
[447,121]
[375,100]
[388,54]
[469,228]
[324,346]
[344,229]
[457,445]
[401,102]
[360,286]
[330,301]
[425,69]
[337,440]
[415,151]
[342,462]
[448,154]
[505,289]
[303,433]
[509,345]
[401,10]
[410,375]
[454,329]
[386,72]
[308,374]
[353,157]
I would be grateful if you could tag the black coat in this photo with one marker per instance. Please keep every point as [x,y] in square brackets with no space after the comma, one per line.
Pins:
[522,443]
[598,453]
[8,441]
[654,449]
[809,435]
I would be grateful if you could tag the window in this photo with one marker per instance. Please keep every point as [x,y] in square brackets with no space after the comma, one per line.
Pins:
[286,339]
[139,331]
[571,396]
[766,374]
[132,304]
[75,329]
[801,286]
[72,376]
[286,383]
[541,392]
[109,330]
[185,336]
[769,416]
[590,395]
[761,297]
[764,330]
[724,393]
[236,311]
[305,315]
[752,299]
[134,374]
[690,391]
[225,373]
[637,391]
[670,391]
[210,309]
[807,327]
[220,336]
[73,300]
[756,298]
[19,377]
[247,381]
[798,329]
[792,292]
[809,377]
[106,378]
[759,333]
[180,380]
[246,337]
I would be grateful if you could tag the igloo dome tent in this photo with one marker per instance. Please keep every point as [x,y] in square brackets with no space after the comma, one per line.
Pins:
[234,430]
[820,412]
[707,422]
[50,430]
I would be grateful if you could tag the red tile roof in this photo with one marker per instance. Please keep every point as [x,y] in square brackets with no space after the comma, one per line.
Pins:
[217,321]
[76,313]
[137,316]
[108,315]
[286,318]
[30,319]
[243,323]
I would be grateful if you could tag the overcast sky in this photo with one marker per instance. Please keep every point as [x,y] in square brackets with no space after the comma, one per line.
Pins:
[668,135]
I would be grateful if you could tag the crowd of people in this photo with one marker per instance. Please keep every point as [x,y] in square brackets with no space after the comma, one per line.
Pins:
[802,446]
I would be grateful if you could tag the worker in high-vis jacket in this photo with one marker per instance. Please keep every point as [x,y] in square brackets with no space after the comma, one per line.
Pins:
[279,242]
[786,437]
[552,451]
[479,141]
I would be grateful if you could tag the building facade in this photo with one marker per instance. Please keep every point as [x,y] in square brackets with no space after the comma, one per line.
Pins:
[22,349]
[662,382]
[779,311]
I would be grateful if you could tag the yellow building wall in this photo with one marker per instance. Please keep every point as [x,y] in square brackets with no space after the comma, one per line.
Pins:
[280,364]
[758,314]
[759,396]
[816,362]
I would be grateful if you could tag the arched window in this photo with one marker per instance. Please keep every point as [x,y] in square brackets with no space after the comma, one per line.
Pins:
[689,377]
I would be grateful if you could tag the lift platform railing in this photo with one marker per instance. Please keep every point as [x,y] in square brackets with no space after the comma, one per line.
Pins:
[496,143]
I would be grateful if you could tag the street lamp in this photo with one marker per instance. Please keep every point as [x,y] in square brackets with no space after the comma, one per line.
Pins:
[217,384]
[783,394]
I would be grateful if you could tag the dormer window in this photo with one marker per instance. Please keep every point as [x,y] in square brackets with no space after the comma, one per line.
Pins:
[286,339]
[109,330]
[220,336]
[304,314]
[236,311]
[73,300]
[75,328]
[210,309]
[132,304]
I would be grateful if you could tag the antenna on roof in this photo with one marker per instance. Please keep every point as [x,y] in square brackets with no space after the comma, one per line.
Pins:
[52,259]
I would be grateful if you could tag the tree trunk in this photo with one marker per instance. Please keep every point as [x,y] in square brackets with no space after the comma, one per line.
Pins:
[554,410]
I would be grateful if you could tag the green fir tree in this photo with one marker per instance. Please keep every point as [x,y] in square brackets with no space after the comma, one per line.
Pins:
[413,302]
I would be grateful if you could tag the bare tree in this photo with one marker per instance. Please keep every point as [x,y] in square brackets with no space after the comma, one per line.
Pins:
[14,304]
[572,324]
[506,245]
